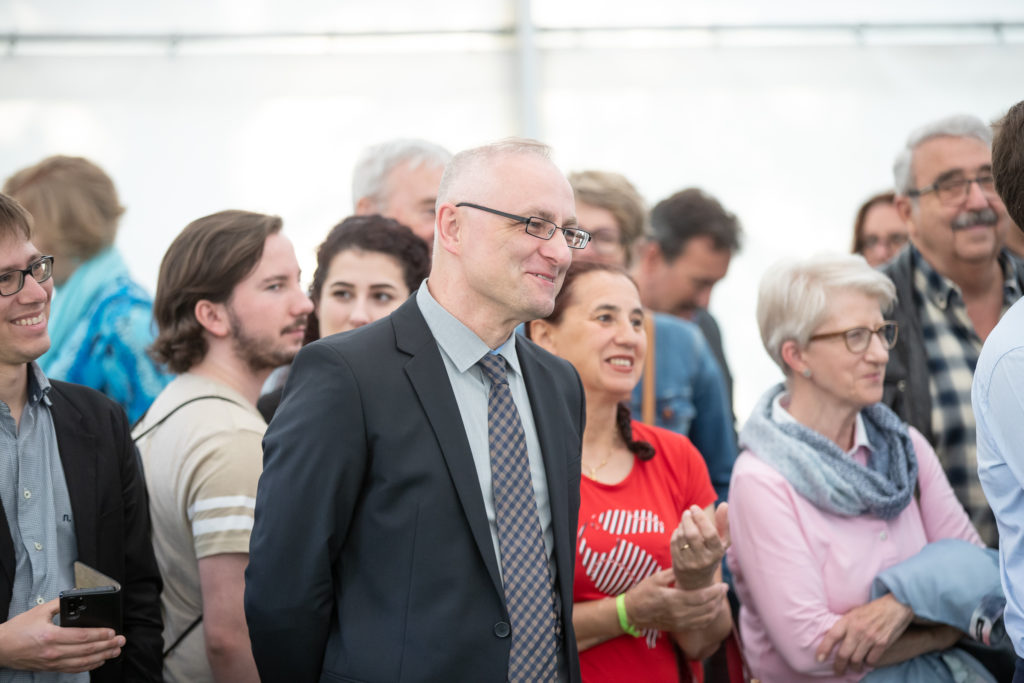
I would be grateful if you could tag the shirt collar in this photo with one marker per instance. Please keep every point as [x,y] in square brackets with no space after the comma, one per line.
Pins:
[936,288]
[38,385]
[941,290]
[782,416]
[461,344]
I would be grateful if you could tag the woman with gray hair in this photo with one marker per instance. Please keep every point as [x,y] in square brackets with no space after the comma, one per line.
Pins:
[823,495]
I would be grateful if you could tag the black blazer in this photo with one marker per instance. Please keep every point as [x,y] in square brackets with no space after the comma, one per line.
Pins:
[371,557]
[111,511]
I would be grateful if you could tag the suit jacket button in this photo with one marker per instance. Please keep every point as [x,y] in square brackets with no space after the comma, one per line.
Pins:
[502,629]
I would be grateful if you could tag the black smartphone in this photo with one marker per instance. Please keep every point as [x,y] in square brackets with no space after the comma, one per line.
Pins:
[91,608]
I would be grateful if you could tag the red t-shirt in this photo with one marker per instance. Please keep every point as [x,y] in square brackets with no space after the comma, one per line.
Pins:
[623,538]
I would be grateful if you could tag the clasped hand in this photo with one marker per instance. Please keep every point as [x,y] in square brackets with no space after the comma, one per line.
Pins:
[656,603]
[864,633]
[698,545]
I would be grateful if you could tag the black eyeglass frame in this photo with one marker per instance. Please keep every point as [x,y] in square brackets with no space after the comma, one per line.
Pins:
[46,261]
[960,185]
[845,334]
[569,233]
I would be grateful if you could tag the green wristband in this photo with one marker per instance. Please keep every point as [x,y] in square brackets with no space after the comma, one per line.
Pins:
[620,607]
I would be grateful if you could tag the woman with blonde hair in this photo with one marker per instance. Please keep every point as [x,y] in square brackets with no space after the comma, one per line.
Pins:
[823,495]
[101,320]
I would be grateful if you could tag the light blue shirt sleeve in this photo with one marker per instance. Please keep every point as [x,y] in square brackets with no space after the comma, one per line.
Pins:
[998,398]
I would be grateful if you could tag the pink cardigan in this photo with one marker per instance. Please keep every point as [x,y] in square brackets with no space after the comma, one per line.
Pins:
[798,569]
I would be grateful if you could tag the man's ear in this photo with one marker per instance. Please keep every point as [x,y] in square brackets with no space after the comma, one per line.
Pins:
[905,208]
[366,206]
[650,256]
[213,317]
[448,229]
[793,356]
[542,334]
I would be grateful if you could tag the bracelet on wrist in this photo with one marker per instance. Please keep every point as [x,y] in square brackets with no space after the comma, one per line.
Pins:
[620,607]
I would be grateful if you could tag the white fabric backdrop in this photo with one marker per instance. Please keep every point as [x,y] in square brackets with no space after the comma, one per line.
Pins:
[790,137]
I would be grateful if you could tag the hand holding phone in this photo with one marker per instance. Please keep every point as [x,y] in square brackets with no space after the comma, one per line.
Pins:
[70,650]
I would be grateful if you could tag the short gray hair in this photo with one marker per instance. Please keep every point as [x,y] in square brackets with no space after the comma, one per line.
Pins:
[956,126]
[794,296]
[467,162]
[370,175]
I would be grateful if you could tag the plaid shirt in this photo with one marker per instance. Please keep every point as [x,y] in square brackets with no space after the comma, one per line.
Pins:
[952,347]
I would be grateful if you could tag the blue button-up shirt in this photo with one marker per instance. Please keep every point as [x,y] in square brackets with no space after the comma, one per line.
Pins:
[998,399]
[38,509]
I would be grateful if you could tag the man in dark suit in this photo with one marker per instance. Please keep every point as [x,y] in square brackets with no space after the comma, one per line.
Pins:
[71,490]
[385,545]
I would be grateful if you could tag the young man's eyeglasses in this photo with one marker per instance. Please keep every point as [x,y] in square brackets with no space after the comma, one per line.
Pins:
[538,227]
[12,281]
[858,339]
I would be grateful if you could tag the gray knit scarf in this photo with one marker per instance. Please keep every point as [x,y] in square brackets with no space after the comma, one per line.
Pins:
[825,475]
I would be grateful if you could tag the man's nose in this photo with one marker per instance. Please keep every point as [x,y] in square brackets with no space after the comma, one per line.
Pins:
[303,304]
[557,249]
[976,198]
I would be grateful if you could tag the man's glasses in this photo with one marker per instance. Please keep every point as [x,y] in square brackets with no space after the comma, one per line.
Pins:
[954,190]
[12,281]
[540,228]
[859,338]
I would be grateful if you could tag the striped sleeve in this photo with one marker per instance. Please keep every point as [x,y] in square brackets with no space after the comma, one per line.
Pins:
[223,494]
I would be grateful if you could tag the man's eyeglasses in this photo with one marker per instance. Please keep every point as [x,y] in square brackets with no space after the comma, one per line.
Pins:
[859,338]
[12,281]
[953,190]
[540,227]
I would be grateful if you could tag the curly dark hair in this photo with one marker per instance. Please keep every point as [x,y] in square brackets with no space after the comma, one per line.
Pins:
[372,233]
[623,416]
[206,261]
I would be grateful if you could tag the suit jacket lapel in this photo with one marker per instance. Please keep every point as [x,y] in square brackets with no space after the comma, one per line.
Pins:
[77,446]
[429,378]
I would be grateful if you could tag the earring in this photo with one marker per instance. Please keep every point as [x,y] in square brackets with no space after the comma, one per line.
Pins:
[806,373]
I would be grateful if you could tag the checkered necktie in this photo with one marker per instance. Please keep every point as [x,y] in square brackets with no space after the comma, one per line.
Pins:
[536,628]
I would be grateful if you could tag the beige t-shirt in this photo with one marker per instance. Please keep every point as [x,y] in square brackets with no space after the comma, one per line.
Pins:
[202,466]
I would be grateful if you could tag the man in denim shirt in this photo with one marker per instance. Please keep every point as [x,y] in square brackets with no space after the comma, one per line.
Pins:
[690,394]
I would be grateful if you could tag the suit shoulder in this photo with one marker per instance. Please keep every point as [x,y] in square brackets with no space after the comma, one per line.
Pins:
[549,361]
[373,337]
[85,399]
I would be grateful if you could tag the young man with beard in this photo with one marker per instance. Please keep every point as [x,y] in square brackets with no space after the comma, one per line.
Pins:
[229,309]
[953,283]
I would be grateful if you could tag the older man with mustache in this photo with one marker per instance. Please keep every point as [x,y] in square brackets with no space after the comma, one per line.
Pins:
[953,281]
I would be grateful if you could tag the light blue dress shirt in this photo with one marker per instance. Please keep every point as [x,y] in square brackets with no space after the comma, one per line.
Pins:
[998,398]
[38,509]
[460,349]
